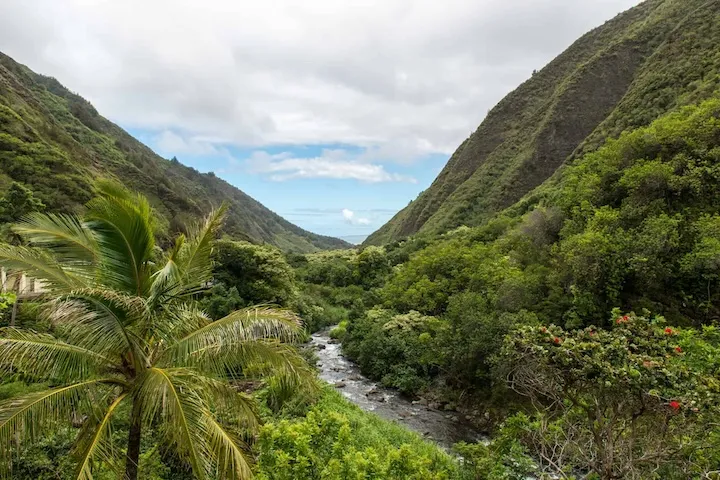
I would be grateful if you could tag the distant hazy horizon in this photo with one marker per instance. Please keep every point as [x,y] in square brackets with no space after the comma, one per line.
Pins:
[354,239]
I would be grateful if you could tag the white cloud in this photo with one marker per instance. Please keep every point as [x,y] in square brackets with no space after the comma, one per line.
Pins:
[401,78]
[334,164]
[170,143]
[349,217]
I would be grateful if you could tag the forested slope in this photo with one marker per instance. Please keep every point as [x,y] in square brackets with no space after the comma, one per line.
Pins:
[54,142]
[645,62]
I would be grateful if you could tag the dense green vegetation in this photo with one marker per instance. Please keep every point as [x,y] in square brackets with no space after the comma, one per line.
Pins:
[55,143]
[562,290]
[336,440]
[645,62]
[514,319]
[125,334]
[118,368]
[633,225]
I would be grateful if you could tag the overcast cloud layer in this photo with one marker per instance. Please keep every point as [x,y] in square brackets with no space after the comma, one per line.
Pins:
[376,83]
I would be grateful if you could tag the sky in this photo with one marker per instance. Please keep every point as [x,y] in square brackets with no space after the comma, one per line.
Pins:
[334,114]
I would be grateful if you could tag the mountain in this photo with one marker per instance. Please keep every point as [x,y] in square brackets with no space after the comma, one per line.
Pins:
[645,62]
[55,143]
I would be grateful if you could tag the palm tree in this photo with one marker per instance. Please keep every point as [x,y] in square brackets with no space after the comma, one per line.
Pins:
[127,337]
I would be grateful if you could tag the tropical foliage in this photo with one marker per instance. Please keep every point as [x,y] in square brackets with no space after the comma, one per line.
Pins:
[633,225]
[636,401]
[126,336]
[336,440]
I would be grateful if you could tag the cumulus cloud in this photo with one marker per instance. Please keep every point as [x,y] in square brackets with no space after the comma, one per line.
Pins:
[349,217]
[332,164]
[348,214]
[401,79]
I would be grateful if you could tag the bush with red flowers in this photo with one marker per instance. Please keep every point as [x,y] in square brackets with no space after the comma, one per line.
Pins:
[612,399]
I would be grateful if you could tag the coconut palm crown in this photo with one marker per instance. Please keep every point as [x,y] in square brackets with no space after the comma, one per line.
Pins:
[127,337]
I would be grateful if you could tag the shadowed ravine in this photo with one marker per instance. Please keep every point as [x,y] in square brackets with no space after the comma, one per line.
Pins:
[445,428]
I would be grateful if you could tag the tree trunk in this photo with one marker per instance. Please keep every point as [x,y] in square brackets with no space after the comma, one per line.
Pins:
[14,312]
[133,451]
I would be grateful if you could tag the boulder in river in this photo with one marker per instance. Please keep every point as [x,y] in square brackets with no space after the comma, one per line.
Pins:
[340,384]
[375,395]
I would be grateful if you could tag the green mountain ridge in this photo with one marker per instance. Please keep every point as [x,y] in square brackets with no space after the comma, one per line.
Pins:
[645,62]
[54,142]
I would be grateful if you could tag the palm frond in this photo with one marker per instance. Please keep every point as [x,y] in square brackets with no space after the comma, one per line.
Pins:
[193,258]
[39,264]
[43,356]
[176,321]
[97,319]
[224,399]
[169,400]
[230,460]
[71,240]
[98,443]
[123,226]
[27,416]
[242,326]
[166,283]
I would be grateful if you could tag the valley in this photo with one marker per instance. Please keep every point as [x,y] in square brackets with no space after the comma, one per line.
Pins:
[549,307]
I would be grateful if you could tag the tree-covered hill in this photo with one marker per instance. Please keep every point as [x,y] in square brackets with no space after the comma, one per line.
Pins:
[647,61]
[55,143]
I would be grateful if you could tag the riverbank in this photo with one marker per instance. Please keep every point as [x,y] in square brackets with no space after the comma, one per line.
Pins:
[444,427]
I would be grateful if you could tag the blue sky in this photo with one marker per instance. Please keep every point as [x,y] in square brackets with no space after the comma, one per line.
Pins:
[334,114]
[321,205]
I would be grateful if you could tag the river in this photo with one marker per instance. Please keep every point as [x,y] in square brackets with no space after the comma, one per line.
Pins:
[444,428]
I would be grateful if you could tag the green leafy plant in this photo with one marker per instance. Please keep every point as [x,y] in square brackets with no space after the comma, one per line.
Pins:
[632,402]
[126,334]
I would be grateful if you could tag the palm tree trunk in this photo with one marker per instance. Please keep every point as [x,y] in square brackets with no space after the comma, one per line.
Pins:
[132,457]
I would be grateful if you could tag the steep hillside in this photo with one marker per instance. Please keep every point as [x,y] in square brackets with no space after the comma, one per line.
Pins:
[56,143]
[645,62]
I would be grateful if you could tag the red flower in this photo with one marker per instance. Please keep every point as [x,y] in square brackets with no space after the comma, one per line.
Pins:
[591,333]
[675,405]
[557,340]
[669,331]
[623,319]
[678,349]
[626,318]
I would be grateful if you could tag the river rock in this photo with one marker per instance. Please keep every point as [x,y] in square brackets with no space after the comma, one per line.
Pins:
[321,346]
[375,395]
[422,401]
[356,378]
[340,384]
[434,406]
